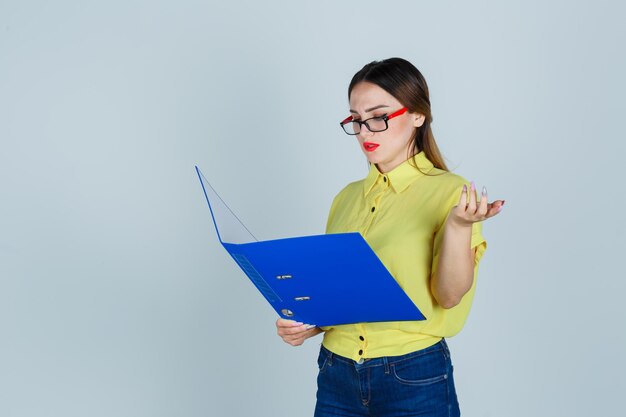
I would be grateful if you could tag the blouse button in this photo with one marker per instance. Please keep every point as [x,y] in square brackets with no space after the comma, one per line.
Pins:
[361,337]
[373,208]
[385,179]
[360,352]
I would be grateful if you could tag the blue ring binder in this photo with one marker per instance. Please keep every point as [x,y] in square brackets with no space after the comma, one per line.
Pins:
[327,279]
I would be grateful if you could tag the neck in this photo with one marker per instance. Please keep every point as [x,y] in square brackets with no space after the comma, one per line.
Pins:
[384,168]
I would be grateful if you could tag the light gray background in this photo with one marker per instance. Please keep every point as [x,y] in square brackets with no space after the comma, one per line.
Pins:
[115,296]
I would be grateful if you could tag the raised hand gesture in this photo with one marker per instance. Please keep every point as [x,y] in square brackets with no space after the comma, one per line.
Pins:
[470,210]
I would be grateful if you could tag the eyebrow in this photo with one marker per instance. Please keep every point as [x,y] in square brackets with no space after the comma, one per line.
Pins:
[370,109]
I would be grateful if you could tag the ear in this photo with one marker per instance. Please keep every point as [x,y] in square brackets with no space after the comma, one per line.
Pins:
[418,119]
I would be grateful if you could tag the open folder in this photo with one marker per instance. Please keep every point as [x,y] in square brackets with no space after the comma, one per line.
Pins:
[324,280]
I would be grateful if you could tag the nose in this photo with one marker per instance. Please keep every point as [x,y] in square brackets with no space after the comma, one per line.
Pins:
[365,131]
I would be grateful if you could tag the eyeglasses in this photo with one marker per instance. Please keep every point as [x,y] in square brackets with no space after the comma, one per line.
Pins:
[374,124]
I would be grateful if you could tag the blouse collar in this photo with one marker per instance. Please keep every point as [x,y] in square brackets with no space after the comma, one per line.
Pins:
[401,176]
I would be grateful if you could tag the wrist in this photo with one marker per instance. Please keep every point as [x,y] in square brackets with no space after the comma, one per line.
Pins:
[458,224]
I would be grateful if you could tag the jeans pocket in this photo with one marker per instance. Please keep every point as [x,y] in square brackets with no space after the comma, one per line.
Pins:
[422,370]
[322,361]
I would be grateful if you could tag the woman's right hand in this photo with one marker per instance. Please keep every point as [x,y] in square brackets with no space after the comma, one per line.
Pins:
[294,332]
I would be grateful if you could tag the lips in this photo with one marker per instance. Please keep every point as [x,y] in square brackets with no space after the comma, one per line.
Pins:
[370,146]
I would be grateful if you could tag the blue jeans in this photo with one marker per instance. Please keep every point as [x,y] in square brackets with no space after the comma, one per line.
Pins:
[419,383]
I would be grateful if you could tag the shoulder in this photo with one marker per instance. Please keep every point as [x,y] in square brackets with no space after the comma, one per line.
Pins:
[446,178]
[350,190]
[342,202]
[445,185]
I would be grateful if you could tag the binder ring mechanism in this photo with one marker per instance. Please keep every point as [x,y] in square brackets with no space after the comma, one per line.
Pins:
[284,276]
[304,298]
[286,312]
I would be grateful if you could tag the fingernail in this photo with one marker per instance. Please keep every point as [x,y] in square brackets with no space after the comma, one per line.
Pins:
[310,326]
[500,209]
[297,323]
[464,188]
[484,190]
[473,185]
[503,201]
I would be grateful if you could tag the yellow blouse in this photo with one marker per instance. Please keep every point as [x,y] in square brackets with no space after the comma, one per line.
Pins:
[401,216]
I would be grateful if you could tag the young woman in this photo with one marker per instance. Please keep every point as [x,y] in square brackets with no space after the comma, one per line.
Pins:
[423,222]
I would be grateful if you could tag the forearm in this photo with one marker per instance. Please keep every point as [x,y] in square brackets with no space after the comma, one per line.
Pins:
[454,273]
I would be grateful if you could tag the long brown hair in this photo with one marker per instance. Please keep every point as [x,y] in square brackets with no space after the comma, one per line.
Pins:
[402,80]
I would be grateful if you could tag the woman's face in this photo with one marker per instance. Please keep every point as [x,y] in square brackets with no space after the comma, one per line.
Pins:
[389,148]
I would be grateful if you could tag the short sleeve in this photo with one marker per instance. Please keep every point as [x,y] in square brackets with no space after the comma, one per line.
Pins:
[478,241]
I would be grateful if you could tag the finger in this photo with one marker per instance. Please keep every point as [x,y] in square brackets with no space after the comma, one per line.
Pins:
[463,198]
[289,328]
[471,205]
[287,323]
[300,329]
[495,208]
[288,333]
[484,203]
[295,342]
[290,337]
[291,331]
[298,339]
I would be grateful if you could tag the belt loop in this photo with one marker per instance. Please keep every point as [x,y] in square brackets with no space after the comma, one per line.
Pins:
[330,358]
[445,348]
[386,362]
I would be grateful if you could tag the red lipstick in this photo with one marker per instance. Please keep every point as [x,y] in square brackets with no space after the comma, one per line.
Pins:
[370,146]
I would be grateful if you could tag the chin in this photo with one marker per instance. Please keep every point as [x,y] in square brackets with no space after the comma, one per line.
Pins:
[373,159]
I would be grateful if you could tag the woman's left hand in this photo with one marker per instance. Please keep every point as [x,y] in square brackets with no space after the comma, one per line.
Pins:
[470,210]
